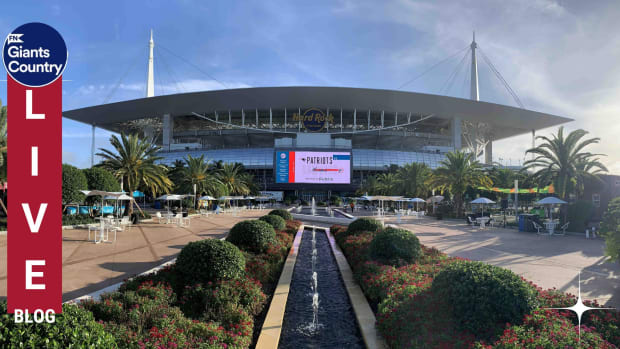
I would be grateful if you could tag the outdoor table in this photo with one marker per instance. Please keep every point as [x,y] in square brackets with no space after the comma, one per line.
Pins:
[168,217]
[550,226]
[102,225]
[482,221]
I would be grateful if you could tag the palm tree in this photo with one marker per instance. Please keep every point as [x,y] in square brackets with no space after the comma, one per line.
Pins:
[388,183]
[458,171]
[414,179]
[561,160]
[200,173]
[234,179]
[134,162]
[369,186]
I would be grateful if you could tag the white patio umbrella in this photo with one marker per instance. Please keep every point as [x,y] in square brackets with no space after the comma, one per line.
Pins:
[416,200]
[207,198]
[551,200]
[483,201]
[171,197]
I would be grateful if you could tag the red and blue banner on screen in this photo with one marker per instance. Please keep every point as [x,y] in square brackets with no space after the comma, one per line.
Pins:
[311,167]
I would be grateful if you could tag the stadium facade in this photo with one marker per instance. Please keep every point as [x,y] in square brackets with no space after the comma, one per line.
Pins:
[257,126]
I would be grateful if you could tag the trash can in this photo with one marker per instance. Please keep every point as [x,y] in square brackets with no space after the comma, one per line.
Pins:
[521,222]
[135,219]
[528,224]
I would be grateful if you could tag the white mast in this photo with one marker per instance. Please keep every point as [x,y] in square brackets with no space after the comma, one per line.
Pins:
[474,94]
[150,80]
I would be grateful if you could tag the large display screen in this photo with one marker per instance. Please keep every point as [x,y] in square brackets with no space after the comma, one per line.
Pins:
[313,167]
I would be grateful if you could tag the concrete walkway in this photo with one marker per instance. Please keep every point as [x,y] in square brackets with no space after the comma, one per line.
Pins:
[548,261]
[88,267]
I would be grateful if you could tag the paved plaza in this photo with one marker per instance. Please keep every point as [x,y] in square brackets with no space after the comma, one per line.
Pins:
[548,261]
[88,267]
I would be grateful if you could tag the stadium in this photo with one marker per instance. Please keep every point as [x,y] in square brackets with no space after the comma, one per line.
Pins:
[365,130]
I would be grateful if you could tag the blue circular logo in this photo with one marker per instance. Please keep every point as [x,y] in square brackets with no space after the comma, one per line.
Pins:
[34,54]
[314,119]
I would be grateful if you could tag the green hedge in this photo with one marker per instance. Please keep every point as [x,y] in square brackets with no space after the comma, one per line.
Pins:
[77,219]
[282,213]
[395,247]
[277,222]
[483,296]
[74,328]
[252,235]
[209,260]
[364,225]
[101,179]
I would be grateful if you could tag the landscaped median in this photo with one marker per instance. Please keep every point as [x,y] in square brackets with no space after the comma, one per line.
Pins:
[423,298]
[214,296]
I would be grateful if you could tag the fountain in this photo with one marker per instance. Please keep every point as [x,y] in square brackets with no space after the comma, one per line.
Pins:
[301,326]
[313,207]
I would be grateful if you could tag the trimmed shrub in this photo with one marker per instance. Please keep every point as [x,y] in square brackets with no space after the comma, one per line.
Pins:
[292,227]
[73,180]
[74,328]
[209,301]
[252,235]
[364,225]
[210,260]
[277,222]
[266,267]
[546,329]
[395,247]
[282,213]
[484,297]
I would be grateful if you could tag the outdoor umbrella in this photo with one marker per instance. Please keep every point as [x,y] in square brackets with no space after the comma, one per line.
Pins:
[483,201]
[416,200]
[551,200]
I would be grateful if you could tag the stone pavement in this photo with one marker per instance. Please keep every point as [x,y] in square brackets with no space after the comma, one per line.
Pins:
[88,267]
[548,261]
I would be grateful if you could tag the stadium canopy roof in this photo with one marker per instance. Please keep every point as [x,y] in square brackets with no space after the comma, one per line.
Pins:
[506,121]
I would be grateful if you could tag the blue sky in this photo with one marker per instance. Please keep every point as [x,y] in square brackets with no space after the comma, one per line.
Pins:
[560,57]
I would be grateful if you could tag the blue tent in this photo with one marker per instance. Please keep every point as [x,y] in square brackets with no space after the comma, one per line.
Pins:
[138,194]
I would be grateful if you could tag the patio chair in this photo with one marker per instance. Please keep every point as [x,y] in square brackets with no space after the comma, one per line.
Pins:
[159,217]
[470,221]
[182,221]
[538,227]
[97,228]
[204,212]
[563,227]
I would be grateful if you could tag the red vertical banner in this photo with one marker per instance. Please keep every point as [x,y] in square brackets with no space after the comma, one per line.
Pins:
[291,167]
[34,232]
[34,56]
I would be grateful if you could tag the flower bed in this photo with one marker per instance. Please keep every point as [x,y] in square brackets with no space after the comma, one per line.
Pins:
[411,312]
[173,308]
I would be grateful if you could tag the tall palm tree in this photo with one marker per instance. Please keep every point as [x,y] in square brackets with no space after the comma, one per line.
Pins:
[200,173]
[233,178]
[134,162]
[369,186]
[458,171]
[561,160]
[388,183]
[414,179]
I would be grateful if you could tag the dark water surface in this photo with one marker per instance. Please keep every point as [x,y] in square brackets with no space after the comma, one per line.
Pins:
[337,324]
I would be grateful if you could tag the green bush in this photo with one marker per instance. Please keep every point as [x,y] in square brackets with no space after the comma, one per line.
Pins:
[101,179]
[73,180]
[277,222]
[209,260]
[579,215]
[74,328]
[77,219]
[484,297]
[208,301]
[336,201]
[252,235]
[610,228]
[282,213]
[364,225]
[395,247]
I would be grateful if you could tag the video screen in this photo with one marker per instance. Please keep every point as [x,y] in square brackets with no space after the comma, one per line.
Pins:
[312,167]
